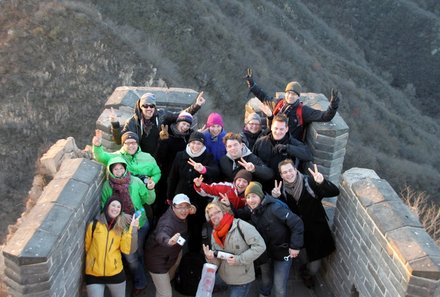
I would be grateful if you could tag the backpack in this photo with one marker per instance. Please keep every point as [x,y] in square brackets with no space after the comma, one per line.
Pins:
[189,273]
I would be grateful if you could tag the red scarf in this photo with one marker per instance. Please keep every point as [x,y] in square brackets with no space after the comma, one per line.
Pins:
[221,230]
[120,189]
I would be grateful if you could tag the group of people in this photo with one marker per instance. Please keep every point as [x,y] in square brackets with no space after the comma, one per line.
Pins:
[252,190]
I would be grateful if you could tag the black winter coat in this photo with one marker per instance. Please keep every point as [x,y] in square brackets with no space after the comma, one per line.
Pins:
[229,167]
[180,179]
[295,150]
[280,228]
[318,239]
[148,141]
[159,256]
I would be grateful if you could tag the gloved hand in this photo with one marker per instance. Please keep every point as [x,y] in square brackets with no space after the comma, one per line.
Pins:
[163,134]
[279,148]
[248,77]
[334,99]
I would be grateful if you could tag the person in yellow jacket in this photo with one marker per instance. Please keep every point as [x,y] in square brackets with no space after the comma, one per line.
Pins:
[106,238]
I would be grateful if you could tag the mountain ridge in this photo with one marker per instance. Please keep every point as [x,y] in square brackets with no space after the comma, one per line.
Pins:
[59,62]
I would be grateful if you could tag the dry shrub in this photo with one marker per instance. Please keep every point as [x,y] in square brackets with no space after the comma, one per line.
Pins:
[427,211]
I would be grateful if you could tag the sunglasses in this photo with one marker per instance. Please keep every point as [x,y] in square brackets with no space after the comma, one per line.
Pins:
[148,106]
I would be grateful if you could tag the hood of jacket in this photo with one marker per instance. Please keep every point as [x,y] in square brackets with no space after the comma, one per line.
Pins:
[115,160]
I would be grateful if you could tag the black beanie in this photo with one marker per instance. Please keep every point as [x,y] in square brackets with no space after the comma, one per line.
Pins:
[196,136]
[129,135]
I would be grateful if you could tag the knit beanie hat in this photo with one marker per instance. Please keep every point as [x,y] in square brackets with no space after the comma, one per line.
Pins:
[147,98]
[110,200]
[255,188]
[294,86]
[185,117]
[214,119]
[244,174]
[129,135]
[196,136]
[252,117]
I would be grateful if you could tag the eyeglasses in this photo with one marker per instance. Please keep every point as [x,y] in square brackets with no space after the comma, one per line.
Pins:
[130,143]
[148,106]
[254,124]
[214,213]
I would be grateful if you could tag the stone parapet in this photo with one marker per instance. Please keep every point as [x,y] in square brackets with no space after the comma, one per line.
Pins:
[44,257]
[382,249]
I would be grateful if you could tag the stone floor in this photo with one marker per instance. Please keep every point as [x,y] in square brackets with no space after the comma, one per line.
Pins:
[295,288]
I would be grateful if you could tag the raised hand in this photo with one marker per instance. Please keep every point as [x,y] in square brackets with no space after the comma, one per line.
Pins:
[97,139]
[208,253]
[246,165]
[317,176]
[197,166]
[203,129]
[334,99]
[113,117]
[224,199]
[150,183]
[173,240]
[248,77]
[200,99]
[135,221]
[163,134]
[198,181]
[276,191]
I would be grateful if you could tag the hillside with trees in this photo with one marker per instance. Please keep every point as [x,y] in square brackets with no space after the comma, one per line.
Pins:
[60,60]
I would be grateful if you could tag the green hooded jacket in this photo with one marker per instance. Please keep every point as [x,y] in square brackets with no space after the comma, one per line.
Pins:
[139,164]
[139,193]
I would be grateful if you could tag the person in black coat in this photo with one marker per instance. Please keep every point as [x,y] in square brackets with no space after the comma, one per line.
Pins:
[278,145]
[189,164]
[238,157]
[147,120]
[282,231]
[291,105]
[303,195]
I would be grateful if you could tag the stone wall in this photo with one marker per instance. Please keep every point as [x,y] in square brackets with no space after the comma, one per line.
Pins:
[382,250]
[45,255]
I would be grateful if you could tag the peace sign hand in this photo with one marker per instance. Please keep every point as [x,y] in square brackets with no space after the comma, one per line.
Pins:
[317,176]
[224,199]
[247,165]
[163,134]
[276,192]
[198,181]
[197,166]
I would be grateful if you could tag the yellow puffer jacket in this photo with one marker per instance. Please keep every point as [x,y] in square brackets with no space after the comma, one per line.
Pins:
[103,251]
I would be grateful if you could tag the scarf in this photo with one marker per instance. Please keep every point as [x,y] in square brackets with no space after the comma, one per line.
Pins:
[194,155]
[295,188]
[120,188]
[221,230]
[147,125]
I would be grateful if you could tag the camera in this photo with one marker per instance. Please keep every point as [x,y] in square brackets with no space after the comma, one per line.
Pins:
[181,240]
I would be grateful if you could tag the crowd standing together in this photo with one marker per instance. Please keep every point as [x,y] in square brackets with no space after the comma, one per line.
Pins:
[254,194]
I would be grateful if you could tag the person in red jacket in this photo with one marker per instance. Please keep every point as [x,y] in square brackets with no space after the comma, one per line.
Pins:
[234,191]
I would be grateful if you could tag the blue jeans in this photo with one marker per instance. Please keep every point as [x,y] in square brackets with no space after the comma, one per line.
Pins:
[274,276]
[135,260]
[239,290]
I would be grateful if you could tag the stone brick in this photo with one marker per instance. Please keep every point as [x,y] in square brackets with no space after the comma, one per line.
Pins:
[413,244]
[392,215]
[370,191]
[82,170]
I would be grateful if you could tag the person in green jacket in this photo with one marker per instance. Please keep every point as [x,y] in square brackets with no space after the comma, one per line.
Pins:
[139,163]
[132,191]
